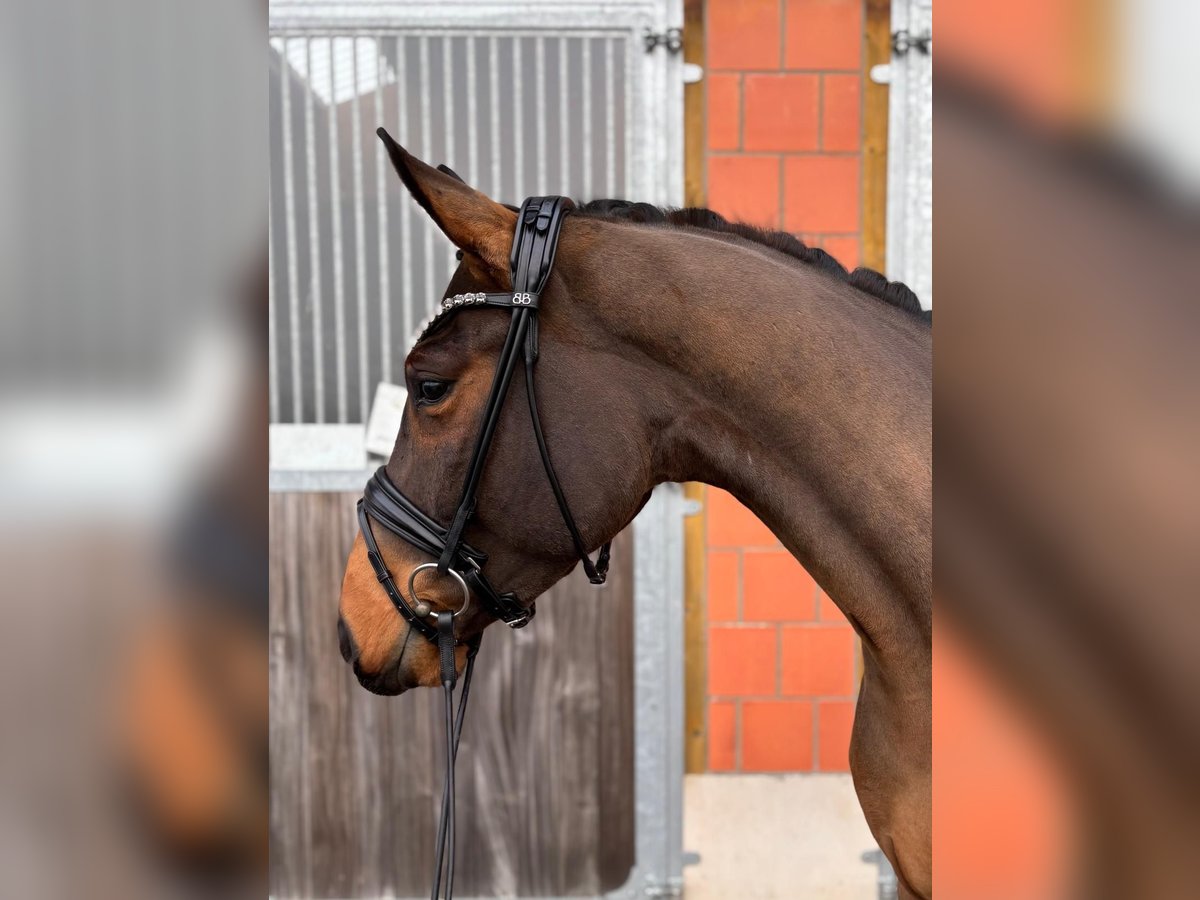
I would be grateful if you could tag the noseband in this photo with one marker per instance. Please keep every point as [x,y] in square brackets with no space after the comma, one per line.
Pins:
[534,244]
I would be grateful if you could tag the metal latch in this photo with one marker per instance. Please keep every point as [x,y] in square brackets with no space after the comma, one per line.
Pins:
[672,39]
[903,41]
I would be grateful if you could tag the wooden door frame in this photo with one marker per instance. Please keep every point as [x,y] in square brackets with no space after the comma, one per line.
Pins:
[695,612]
[877,50]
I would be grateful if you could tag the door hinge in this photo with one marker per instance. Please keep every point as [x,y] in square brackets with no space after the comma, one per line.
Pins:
[903,41]
[672,39]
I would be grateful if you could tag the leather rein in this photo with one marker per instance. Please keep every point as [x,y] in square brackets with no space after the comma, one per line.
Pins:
[534,244]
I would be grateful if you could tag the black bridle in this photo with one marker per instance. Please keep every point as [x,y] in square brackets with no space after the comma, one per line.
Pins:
[534,244]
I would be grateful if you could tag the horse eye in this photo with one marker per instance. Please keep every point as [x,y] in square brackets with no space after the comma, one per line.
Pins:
[432,391]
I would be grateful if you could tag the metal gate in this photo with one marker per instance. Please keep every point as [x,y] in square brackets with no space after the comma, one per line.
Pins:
[541,96]
[520,98]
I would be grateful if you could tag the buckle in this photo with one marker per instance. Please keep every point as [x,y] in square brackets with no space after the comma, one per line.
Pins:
[524,613]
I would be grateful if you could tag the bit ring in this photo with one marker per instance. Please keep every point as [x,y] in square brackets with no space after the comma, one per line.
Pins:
[412,594]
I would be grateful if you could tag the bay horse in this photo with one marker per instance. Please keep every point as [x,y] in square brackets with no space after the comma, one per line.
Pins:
[679,347]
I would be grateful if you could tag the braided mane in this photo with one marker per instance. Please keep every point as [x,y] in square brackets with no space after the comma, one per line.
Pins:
[866,280]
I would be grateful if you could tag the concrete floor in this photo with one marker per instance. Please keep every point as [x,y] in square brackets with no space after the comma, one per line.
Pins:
[799,837]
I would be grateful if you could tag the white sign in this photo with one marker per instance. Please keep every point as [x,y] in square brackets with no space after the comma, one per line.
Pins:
[384,423]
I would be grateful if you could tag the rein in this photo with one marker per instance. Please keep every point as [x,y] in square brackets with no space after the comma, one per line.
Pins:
[535,242]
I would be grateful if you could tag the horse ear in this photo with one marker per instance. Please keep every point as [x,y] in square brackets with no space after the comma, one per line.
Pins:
[474,222]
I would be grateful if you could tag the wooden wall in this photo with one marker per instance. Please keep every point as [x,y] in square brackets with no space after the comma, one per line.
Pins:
[545,772]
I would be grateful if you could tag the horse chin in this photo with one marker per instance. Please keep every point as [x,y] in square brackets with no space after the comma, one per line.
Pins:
[406,674]
[389,683]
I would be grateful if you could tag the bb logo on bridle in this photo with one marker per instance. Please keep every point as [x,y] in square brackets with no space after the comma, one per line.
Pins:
[522,300]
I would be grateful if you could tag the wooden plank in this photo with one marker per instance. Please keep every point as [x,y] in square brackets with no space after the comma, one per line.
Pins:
[614,643]
[695,644]
[546,764]
[288,747]
[694,113]
[345,815]
[878,50]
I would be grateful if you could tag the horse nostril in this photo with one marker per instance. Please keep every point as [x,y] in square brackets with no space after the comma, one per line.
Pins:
[346,642]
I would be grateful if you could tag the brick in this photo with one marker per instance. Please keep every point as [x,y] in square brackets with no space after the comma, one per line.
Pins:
[835,718]
[741,661]
[745,188]
[821,193]
[824,34]
[777,589]
[722,736]
[732,525]
[723,584]
[844,248]
[817,661]
[782,112]
[841,112]
[828,611]
[743,34]
[777,736]
[724,93]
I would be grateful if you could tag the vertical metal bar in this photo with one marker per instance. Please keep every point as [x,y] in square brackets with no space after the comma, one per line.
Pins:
[335,202]
[360,250]
[494,103]
[272,354]
[586,92]
[539,59]
[385,294]
[610,162]
[405,212]
[427,151]
[314,242]
[472,116]
[289,206]
[564,123]
[628,125]
[448,97]
[658,725]
[518,85]
[448,113]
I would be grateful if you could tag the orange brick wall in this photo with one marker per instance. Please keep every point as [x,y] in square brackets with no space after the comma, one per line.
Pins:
[784,125]
[783,134]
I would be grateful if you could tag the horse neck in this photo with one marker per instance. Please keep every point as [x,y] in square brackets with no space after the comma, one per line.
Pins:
[807,399]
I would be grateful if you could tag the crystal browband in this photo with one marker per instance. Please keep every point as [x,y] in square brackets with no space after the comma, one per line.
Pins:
[502,299]
[507,299]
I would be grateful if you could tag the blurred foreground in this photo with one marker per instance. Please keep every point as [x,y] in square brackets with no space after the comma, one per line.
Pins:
[133,755]
[1067,432]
